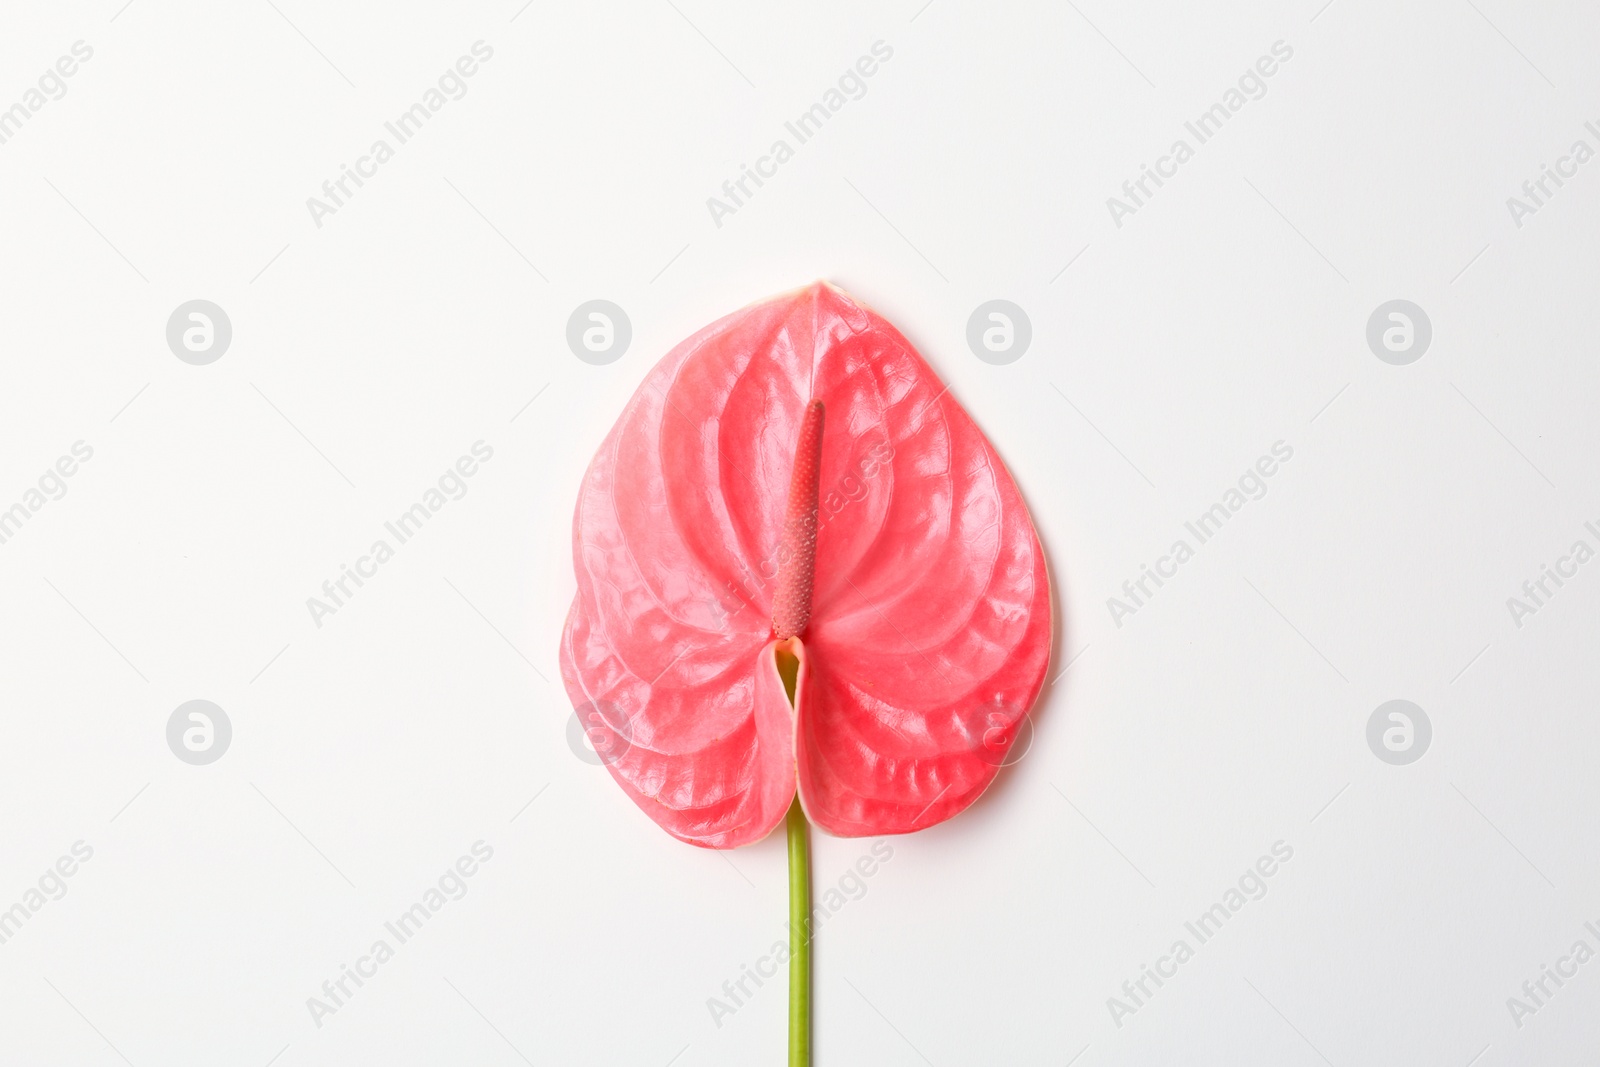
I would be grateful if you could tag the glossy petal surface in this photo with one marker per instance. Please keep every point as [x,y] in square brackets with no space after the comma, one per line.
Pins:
[930,627]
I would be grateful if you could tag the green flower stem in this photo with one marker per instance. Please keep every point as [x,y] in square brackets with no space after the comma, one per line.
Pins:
[799,938]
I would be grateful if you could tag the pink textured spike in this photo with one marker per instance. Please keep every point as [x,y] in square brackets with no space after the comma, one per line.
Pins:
[797,553]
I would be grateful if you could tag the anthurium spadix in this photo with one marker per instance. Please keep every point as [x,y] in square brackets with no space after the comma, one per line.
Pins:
[805,580]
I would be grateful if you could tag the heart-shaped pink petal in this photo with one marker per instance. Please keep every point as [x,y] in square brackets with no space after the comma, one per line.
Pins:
[930,623]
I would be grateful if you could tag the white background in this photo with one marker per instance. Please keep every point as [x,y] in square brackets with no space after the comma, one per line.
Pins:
[368,354]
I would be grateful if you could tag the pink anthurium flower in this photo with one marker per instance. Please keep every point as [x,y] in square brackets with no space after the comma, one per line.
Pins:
[803,574]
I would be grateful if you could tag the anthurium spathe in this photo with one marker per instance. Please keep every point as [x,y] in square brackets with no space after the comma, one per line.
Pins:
[794,480]
[806,584]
